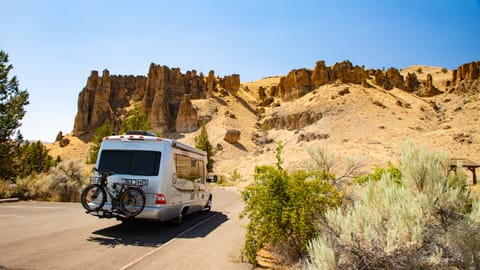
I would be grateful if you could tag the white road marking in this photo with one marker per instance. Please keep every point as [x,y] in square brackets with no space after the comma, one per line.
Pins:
[40,207]
[9,216]
[166,244]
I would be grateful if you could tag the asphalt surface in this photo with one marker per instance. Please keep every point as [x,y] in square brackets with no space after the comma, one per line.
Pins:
[43,235]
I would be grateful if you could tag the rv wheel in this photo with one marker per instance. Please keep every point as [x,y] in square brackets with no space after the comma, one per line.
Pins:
[208,207]
[179,219]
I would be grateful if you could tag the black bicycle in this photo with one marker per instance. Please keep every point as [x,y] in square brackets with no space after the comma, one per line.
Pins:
[127,200]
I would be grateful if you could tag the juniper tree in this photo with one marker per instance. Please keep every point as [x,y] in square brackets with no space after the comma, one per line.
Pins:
[202,142]
[104,130]
[136,121]
[12,103]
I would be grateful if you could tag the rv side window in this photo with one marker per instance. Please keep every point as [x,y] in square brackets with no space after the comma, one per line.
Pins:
[130,162]
[189,168]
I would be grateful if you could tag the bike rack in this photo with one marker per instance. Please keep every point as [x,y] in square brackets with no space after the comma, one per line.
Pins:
[102,213]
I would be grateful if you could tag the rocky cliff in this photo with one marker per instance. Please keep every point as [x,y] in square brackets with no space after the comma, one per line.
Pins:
[466,78]
[165,94]
[111,97]
[298,82]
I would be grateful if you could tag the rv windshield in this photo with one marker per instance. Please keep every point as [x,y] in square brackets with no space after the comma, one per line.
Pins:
[130,162]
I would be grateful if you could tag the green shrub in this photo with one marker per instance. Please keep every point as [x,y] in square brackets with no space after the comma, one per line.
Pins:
[377,174]
[66,181]
[424,223]
[35,159]
[62,183]
[202,142]
[104,130]
[283,210]
[444,70]
[419,70]
[136,121]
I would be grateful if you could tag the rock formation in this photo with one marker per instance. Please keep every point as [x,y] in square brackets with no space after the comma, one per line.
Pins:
[109,97]
[231,83]
[427,89]
[411,82]
[469,71]
[102,97]
[298,82]
[292,121]
[187,118]
[232,136]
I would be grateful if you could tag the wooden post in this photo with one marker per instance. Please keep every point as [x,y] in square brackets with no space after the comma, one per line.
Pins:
[474,175]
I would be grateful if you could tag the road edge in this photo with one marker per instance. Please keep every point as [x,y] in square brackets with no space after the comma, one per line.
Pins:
[9,201]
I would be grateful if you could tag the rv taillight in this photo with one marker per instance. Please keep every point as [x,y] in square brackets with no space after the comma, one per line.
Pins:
[161,199]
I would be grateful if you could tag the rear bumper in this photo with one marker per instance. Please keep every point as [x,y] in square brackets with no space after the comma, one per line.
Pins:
[158,213]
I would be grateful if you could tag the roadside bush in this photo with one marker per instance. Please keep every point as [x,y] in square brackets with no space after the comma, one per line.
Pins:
[66,181]
[62,183]
[425,222]
[283,209]
[377,174]
[3,190]
[234,178]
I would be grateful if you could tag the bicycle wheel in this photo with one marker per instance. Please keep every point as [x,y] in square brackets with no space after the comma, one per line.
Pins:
[93,197]
[132,202]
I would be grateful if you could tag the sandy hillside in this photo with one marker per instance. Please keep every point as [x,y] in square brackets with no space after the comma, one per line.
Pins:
[368,125]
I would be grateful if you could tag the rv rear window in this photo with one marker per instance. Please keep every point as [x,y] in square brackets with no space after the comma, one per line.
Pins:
[130,162]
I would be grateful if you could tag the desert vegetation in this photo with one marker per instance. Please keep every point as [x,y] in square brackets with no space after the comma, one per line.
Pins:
[61,183]
[416,215]
[283,209]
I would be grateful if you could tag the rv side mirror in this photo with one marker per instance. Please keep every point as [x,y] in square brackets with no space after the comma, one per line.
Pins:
[212,178]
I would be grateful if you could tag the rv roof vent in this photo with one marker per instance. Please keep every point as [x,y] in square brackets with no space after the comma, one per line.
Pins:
[141,132]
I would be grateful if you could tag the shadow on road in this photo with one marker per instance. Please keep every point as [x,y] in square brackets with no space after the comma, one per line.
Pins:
[153,234]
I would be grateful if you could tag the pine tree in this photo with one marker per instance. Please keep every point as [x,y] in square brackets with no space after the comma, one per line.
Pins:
[35,158]
[202,142]
[104,130]
[137,121]
[12,103]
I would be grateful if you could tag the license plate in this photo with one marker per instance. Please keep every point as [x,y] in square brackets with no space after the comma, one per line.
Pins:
[136,182]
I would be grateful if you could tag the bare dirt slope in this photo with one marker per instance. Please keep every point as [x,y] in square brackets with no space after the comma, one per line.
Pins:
[365,124]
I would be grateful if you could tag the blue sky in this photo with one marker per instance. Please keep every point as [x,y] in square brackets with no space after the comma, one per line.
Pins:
[53,45]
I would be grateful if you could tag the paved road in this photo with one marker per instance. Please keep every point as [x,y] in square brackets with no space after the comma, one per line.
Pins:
[42,235]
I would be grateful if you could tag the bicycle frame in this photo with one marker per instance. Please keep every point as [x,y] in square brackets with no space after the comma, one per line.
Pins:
[120,196]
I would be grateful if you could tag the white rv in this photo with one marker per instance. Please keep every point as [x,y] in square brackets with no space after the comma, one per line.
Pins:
[173,174]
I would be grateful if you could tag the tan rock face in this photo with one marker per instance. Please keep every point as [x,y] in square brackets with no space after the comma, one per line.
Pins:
[293,121]
[428,89]
[411,82]
[298,82]
[321,74]
[232,136]
[231,83]
[395,79]
[109,97]
[469,71]
[101,97]
[187,118]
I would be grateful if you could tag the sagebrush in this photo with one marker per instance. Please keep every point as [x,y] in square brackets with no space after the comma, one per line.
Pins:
[425,220]
[61,183]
